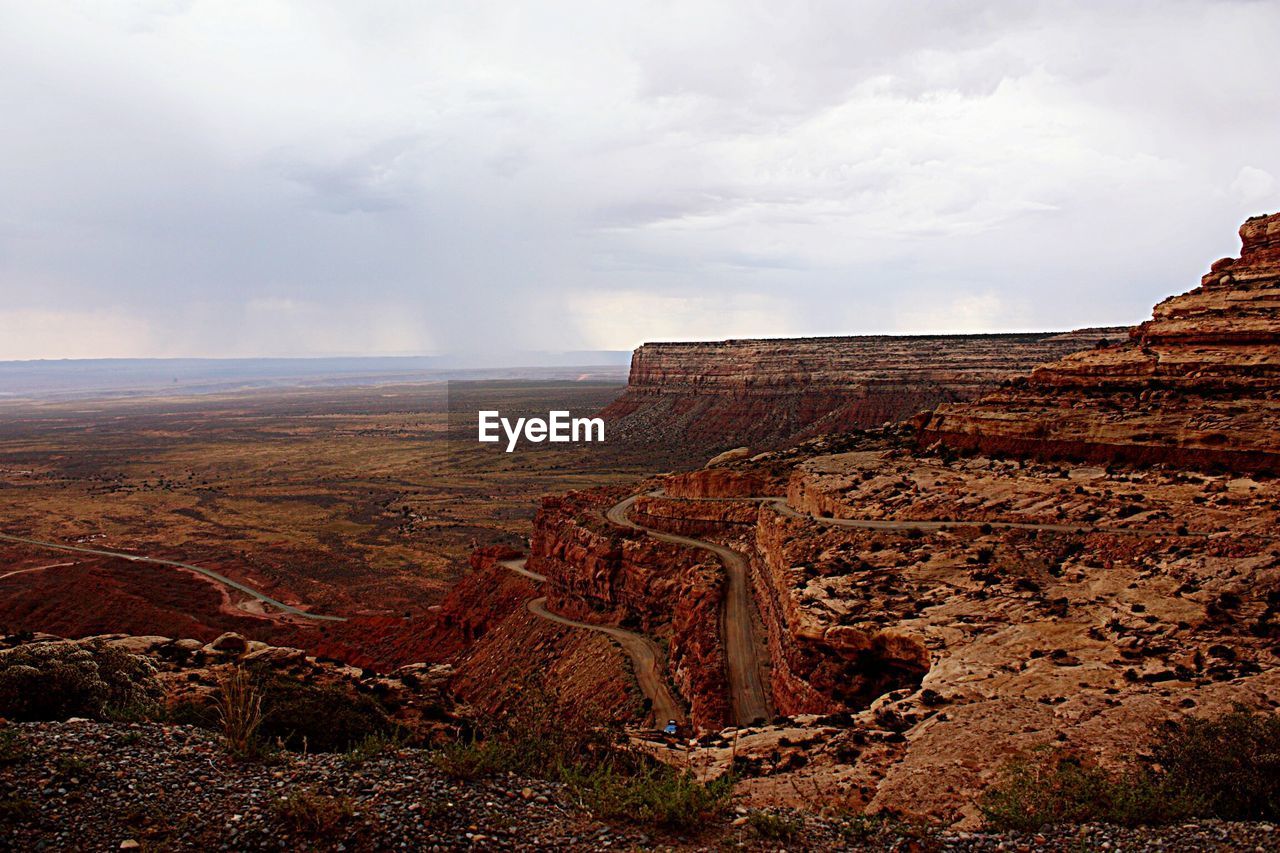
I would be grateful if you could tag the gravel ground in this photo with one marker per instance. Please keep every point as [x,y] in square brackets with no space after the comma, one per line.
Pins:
[87,786]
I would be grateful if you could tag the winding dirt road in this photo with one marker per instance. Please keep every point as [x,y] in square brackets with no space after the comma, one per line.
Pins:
[209,573]
[745,684]
[35,569]
[746,687]
[646,657]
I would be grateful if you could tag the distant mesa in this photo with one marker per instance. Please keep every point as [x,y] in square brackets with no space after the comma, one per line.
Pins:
[1196,385]
[771,393]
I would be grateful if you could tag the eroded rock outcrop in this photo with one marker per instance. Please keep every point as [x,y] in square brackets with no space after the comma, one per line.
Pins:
[1197,385]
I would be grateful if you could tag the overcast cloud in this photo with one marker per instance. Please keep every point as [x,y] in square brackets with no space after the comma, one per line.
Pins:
[274,178]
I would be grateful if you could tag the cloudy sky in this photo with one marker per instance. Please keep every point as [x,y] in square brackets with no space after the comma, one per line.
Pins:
[230,178]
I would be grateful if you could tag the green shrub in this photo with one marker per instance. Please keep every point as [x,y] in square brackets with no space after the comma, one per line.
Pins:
[653,794]
[319,718]
[537,739]
[592,758]
[887,831]
[472,758]
[775,827]
[55,681]
[375,745]
[1060,789]
[13,748]
[1227,768]
[311,813]
[1230,766]
[67,766]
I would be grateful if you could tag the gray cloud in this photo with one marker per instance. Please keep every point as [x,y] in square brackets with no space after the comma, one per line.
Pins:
[293,178]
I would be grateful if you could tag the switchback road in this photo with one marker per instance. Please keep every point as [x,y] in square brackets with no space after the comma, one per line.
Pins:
[646,657]
[746,687]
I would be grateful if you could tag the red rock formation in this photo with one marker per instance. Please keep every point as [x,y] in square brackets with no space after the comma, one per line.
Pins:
[599,573]
[768,393]
[1198,385]
[725,483]
[524,660]
[692,517]
[815,667]
[819,667]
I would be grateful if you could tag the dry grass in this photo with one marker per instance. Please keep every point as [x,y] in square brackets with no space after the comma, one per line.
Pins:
[239,711]
[311,813]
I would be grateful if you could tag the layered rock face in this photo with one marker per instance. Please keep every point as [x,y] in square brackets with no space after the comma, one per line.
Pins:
[765,393]
[1198,384]
[602,574]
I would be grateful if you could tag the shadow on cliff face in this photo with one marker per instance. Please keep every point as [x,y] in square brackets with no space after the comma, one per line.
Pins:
[855,677]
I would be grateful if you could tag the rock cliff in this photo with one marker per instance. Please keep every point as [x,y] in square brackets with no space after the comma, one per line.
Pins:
[1198,384]
[602,574]
[769,393]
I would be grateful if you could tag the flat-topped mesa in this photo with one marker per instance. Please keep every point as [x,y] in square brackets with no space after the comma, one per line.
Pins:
[1195,385]
[772,392]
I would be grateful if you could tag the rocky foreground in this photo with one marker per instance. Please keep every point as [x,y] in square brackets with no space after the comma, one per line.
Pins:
[81,785]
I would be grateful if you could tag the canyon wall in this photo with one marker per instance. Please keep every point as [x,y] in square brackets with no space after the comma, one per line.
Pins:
[815,667]
[1197,385]
[600,573]
[771,392]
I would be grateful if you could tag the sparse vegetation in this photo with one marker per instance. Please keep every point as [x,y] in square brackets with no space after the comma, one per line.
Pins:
[1057,789]
[239,710]
[318,717]
[55,681]
[297,715]
[68,766]
[649,793]
[771,826]
[311,813]
[538,738]
[472,758]
[13,747]
[1226,768]
[1229,765]
[16,810]
[887,830]
[602,772]
[374,745]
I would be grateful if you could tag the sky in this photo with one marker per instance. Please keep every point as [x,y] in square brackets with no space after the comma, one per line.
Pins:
[269,178]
